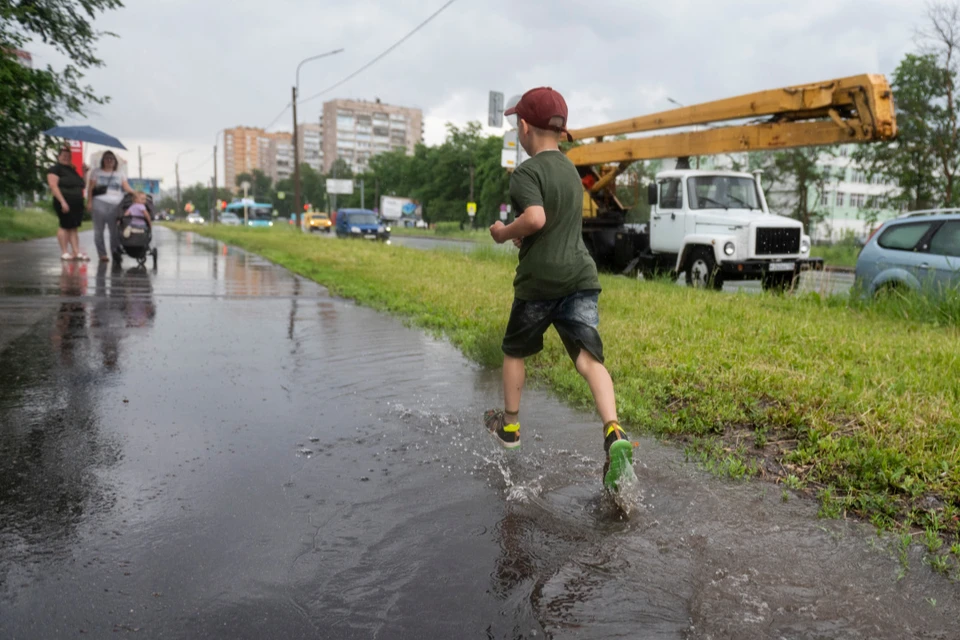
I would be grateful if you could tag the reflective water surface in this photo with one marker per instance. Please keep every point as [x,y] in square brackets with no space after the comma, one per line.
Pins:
[220,449]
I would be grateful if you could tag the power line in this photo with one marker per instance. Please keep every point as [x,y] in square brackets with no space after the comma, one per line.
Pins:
[280,115]
[366,66]
[208,158]
[375,60]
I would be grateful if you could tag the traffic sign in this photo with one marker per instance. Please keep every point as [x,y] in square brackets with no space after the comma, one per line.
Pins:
[495,115]
[342,187]
[512,102]
[471,208]
[508,158]
[510,140]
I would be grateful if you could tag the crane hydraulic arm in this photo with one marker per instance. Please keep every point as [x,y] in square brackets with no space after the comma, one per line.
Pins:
[855,109]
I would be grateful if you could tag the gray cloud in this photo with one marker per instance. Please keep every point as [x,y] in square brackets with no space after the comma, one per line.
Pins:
[182,70]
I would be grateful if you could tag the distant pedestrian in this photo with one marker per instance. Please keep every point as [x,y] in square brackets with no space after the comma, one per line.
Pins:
[67,188]
[556,281]
[105,188]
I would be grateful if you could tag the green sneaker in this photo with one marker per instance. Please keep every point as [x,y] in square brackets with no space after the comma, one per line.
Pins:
[508,435]
[619,451]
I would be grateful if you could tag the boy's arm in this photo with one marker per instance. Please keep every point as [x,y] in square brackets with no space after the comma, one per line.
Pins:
[528,199]
[527,223]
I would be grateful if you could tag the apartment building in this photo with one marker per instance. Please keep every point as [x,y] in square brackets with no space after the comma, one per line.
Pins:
[357,130]
[310,144]
[242,151]
[850,199]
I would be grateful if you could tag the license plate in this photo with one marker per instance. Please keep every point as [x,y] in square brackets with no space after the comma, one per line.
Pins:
[370,236]
[781,266]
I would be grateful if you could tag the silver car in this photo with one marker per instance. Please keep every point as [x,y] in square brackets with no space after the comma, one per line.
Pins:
[918,251]
[230,219]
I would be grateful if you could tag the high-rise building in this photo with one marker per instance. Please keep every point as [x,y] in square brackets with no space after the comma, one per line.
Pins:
[242,150]
[249,148]
[357,130]
[310,145]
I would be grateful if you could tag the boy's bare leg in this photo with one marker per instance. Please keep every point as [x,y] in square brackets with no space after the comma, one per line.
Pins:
[514,376]
[601,385]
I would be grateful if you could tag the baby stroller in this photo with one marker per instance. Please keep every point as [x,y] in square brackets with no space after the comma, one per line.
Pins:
[134,239]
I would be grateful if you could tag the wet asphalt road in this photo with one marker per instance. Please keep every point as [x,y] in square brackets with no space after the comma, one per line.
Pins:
[222,450]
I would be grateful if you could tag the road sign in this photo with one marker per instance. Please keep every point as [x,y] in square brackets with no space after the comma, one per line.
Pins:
[471,208]
[508,158]
[510,140]
[340,187]
[495,116]
[512,102]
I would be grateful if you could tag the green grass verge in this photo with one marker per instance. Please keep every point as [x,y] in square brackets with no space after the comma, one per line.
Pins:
[838,400]
[838,255]
[16,225]
[446,231]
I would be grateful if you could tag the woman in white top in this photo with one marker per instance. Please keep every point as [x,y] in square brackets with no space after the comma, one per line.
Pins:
[105,188]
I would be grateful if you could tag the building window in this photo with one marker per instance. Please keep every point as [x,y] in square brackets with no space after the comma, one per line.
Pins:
[345,122]
[857,200]
[841,198]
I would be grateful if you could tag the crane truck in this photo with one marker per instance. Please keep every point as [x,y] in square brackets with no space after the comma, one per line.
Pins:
[715,225]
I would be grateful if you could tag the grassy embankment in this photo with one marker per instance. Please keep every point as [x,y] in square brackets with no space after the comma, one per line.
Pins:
[838,255]
[16,225]
[856,404]
[446,231]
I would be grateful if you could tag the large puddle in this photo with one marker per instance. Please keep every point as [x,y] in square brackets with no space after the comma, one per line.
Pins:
[222,450]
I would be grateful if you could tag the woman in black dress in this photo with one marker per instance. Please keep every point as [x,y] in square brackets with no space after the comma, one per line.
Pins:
[67,187]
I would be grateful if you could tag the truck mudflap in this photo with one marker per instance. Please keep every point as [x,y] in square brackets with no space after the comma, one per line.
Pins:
[749,269]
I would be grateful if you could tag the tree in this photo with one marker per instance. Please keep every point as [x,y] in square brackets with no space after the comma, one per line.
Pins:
[262,184]
[803,178]
[34,100]
[924,160]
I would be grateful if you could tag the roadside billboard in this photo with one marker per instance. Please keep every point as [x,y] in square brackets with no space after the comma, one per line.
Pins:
[394,208]
[150,186]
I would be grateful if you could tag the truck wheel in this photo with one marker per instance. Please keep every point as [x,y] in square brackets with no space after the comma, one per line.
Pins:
[702,271]
[777,282]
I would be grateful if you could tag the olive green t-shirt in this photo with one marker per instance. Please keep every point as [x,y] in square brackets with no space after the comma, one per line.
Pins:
[553,261]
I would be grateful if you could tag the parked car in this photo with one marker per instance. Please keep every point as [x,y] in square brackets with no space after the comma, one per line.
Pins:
[195,218]
[360,223]
[230,219]
[919,251]
[317,221]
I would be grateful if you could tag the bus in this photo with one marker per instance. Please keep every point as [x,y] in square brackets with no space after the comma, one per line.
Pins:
[259,214]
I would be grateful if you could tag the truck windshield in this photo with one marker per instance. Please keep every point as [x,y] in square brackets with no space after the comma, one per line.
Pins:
[723,192]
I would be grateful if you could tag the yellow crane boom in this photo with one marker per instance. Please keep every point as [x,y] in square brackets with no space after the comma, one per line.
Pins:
[855,109]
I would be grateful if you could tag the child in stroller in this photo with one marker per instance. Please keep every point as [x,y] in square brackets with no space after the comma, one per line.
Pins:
[135,226]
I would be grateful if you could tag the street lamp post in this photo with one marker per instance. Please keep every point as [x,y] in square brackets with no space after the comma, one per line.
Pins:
[176,167]
[140,156]
[213,217]
[296,141]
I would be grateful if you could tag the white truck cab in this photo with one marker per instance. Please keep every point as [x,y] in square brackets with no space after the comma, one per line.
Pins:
[715,226]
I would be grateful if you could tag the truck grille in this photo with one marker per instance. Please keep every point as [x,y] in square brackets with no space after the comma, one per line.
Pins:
[776,241]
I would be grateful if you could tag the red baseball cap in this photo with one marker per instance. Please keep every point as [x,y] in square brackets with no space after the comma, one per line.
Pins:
[539,107]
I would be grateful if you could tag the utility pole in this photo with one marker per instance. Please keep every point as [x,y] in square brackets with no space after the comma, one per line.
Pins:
[361,194]
[296,159]
[333,196]
[139,163]
[472,218]
[176,169]
[213,216]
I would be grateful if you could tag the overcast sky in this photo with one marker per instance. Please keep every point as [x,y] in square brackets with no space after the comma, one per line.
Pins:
[181,70]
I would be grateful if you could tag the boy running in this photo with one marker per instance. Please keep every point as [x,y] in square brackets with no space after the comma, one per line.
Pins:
[556,281]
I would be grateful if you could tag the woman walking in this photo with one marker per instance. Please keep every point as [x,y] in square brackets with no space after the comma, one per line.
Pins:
[67,187]
[106,186]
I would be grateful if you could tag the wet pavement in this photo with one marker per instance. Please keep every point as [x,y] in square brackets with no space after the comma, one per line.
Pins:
[220,449]
[824,283]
